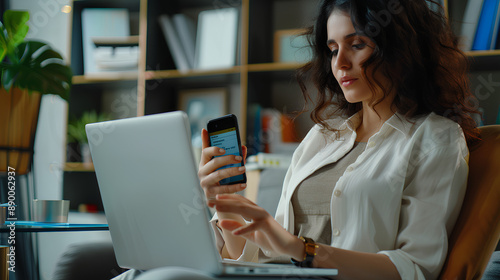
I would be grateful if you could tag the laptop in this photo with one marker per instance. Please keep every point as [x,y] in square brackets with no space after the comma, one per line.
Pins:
[153,201]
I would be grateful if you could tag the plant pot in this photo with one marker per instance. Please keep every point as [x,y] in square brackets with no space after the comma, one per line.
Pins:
[85,151]
[18,120]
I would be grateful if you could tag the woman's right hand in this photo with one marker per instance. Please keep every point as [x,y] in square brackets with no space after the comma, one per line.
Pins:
[209,175]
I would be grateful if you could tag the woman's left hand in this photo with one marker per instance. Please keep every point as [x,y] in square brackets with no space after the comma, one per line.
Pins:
[263,229]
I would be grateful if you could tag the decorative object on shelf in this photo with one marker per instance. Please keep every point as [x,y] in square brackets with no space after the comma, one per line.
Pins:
[113,24]
[77,134]
[469,23]
[116,53]
[266,160]
[290,46]
[277,133]
[216,38]
[201,105]
[29,69]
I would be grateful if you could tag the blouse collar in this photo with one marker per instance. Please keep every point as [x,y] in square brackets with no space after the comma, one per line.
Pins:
[396,121]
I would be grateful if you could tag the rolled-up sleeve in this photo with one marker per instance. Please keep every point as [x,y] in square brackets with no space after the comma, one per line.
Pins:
[430,205]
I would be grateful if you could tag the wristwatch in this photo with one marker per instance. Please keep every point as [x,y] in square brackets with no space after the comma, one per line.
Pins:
[310,252]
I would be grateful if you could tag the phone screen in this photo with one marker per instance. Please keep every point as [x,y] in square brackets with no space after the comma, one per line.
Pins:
[226,138]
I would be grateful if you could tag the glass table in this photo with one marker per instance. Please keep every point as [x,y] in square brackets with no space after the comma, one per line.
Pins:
[25,228]
[29,226]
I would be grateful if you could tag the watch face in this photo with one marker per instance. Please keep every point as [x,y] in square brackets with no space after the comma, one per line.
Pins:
[311,249]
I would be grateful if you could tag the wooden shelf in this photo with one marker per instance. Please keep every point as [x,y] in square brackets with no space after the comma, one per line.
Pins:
[274,66]
[260,67]
[78,167]
[483,53]
[117,41]
[248,82]
[173,74]
[105,77]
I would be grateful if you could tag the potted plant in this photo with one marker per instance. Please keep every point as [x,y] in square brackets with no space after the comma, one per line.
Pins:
[29,69]
[77,134]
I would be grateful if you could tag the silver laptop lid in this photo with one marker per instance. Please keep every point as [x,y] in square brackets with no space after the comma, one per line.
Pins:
[151,194]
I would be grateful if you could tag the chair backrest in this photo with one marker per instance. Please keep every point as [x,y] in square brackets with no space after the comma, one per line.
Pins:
[477,230]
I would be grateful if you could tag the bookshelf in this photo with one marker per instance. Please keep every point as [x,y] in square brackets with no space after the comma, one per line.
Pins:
[255,79]
[484,73]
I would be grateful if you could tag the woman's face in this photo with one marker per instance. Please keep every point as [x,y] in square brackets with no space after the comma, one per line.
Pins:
[349,51]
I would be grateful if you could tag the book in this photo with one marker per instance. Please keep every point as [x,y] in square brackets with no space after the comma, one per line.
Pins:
[186,29]
[485,26]
[497,45]
[496,27]
[102,22]
[216,38]
[173,43]
[277,133]
[469,23]
[498,116]
[253,128]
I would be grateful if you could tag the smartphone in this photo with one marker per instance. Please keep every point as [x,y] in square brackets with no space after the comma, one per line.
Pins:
[223,132]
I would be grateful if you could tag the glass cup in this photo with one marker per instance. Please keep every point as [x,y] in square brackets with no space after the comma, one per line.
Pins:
[50,211]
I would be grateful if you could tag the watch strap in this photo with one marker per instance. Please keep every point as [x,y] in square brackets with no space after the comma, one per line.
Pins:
[310,252]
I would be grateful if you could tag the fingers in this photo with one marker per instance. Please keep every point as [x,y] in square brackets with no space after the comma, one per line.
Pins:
[212,192]
[219,162]
[244,152]
[229,225]
[240,198]
[210,178]
[211,169]
[249,228]
[205,142]
[237,204]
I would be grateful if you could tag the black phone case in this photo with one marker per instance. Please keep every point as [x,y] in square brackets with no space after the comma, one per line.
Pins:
[225,122]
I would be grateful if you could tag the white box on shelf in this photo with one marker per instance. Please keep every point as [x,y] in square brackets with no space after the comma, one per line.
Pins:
[216,38]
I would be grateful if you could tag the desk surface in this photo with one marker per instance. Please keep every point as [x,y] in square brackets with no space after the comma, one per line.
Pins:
[29,226]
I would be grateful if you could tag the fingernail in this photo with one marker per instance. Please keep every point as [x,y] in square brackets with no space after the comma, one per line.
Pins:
[241,168]
[222,151]
[243,186]
[238,158]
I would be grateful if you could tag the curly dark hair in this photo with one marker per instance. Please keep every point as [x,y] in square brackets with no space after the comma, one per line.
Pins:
[415,50]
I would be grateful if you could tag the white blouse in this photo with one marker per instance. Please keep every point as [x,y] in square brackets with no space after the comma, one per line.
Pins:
[401,197]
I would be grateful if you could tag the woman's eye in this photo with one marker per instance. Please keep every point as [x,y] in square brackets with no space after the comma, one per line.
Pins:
[334,52]
[359,46]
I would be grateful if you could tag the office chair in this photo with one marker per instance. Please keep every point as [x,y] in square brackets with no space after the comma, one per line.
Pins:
[477,230]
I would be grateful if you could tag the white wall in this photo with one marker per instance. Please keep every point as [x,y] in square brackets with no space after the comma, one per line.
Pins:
[47,22]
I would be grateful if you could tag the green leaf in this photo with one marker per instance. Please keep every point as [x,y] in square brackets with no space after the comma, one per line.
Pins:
[3,42]
[38,68]
[76,127]
[31,65]
[16,25]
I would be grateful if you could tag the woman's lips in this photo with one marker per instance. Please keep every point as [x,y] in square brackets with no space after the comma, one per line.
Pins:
[348,82]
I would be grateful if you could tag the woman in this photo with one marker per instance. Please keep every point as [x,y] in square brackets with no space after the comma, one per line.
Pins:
[375,187]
